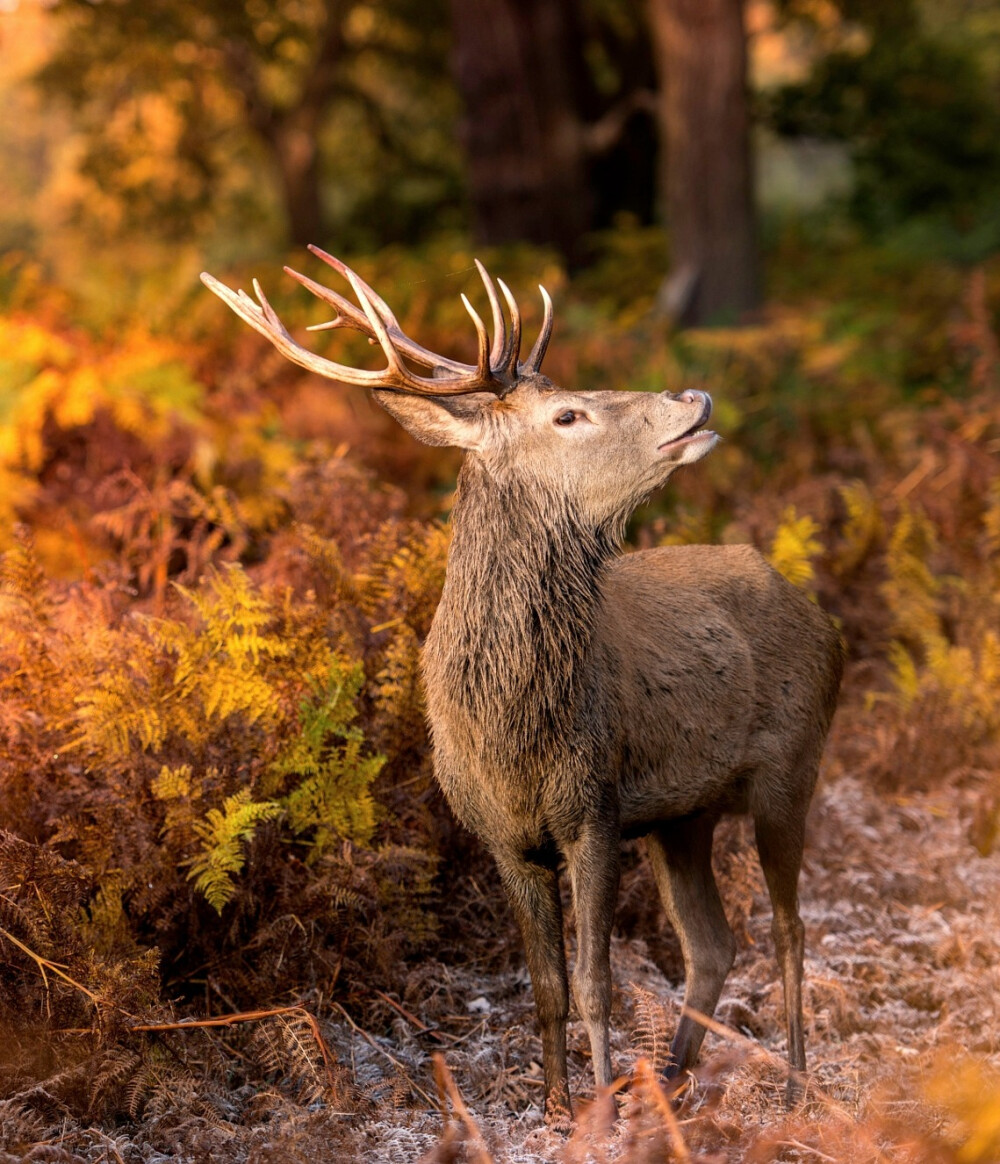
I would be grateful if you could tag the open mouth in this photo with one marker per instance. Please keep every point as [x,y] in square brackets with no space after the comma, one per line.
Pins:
[694,433]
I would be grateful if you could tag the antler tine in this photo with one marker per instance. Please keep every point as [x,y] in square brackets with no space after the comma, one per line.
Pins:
[537,354]
[477,380]
[499,327]
[356,319]
[270,315]
[374,298]
[483,365]
[397,368]
[263,318]
[510,363]
[347,314]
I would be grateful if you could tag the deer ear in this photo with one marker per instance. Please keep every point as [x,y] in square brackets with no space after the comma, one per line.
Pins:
[458,421]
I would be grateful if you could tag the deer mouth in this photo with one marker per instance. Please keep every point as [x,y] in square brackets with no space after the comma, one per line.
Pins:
[694,433]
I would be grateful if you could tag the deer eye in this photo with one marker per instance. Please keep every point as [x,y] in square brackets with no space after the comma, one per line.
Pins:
[567,417]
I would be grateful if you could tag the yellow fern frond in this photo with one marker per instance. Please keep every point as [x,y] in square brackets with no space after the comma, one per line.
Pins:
[904,674]
[862,529]
[912,591]
[408,582]
[794,547]
[399,704]
[114,712]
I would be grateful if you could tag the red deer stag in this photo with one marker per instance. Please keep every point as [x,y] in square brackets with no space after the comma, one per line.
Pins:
[578,695]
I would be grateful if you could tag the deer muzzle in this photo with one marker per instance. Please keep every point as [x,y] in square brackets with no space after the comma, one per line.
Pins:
[693,432]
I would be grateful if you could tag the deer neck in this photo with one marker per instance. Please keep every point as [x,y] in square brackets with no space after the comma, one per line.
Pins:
[513,632]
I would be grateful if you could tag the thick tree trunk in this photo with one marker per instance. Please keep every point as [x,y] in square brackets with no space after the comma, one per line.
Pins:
[290,132]
[297,158]
[708,178]
[516,63]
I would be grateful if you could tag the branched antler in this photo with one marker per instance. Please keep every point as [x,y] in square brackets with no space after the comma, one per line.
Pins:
[497,366]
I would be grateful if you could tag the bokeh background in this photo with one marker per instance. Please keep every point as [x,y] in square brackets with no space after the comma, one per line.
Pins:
[216,573]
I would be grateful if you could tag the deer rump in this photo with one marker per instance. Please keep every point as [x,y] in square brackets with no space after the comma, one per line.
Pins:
[577,695]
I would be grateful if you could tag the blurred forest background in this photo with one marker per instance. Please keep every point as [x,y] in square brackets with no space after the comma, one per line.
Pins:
[216,572]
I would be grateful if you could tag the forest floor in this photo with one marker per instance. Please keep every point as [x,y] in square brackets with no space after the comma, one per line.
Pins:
[902,977]
[902,980]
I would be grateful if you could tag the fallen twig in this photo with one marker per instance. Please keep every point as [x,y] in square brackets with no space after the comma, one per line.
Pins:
[44,964]
[807,1148]
[412,1019]
[392,1059]
[249,1016]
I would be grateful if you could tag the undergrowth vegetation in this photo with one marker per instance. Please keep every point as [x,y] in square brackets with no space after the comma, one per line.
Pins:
[216,575]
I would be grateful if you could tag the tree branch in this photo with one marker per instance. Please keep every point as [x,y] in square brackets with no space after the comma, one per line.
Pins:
[603,134]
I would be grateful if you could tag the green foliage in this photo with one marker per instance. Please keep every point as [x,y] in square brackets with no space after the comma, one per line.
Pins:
[921,124]
[192,117]
[333,801]
[224,834]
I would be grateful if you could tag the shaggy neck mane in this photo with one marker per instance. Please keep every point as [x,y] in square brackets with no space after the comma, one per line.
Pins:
[517,613]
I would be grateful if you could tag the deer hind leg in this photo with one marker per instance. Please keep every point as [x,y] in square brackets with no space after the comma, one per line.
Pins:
[594,862]
[681,857]
[533,893]
[779,844]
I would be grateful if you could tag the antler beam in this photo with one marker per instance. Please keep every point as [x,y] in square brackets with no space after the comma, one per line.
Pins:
[496,369]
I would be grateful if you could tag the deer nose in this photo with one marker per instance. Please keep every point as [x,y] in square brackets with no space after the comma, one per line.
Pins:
[692,396]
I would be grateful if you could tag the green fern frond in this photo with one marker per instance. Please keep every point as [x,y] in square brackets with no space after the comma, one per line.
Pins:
[336,802]
[325,716]
[224,834]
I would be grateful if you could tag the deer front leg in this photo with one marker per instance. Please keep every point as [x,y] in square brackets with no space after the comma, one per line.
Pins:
[594,865]
[533,893]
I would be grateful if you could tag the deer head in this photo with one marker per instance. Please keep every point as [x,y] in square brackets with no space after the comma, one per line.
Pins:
[602,452]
